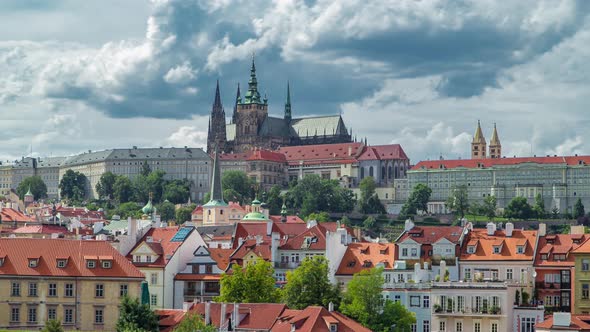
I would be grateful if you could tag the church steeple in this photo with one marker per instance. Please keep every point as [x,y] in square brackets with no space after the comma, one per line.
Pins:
[478,145]
[216,135]
[252,96]
[238,101]
[288,104]
[216,192]
[495,145]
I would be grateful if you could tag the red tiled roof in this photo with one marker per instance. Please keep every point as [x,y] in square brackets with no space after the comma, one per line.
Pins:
[221,256]
[169,318]
[197,277]
[261,250]
[42,229]
[432,234]
[79,212]
[485,251]
[290,219]
[267,155]
[358,253]
[583,249]
[19,250]
[579,323]
[491,162]
[380,152]
[255,316]
[559,244]
[329,153]
[10,215]
[315,319]
[160,244]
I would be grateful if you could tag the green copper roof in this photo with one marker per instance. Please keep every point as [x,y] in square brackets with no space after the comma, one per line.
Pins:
[255,216]
[148,208]
[256,202]
[215,202]
[284,210]
[29,192]
[252,95]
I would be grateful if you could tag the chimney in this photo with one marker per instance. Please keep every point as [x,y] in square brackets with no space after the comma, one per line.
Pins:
[269,227]
[258,239]
[132,228]
[562,319]
[222,317]
[491,228]
[330,306]
[207,313]
[542,229]
[236,319]
[349,150]
[408,225]
[509,229]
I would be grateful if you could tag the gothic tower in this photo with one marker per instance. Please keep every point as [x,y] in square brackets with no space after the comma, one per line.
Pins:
[478,145]
[238,101]
[495,145]
[288,105]
[250,114]
[216,135]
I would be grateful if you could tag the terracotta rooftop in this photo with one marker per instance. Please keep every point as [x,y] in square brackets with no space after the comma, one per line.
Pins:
[43,229]
[18,251]
[160,240]
[495,162]
[315,319]
[10,215]
[221,256]
[432,234]
[484,245]
[383,152]
[579,323]
[366,255]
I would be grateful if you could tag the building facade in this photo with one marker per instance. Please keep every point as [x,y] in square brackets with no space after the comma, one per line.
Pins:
[252,127]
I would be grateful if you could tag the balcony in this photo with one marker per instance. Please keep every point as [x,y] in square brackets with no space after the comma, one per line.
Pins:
[287,265]
[467,311]
[407,285]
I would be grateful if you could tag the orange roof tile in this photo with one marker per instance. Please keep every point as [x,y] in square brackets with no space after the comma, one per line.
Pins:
[358,253]
[161,244]
[492,162]
[485,251]
[315,319]
[579,323]
[221,256]
[10,215]
[560,244]
[19,250]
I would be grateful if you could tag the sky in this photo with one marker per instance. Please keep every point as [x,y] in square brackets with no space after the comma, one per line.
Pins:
[91,75]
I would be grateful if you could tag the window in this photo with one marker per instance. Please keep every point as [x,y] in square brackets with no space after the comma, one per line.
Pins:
[414,252]
[52,289]
[123,289]
[414,328]
[32,315]
[520,249]
[91,264]
[404,251]
[414,301]
[494,327]
[527,324]
[154,278]
[585,291]
[585,264]
[15,314]
[32,289]
[397,298]
[426,301]
[99,290]
[509,274]
[107,264]
[61,263]
[471,249]
[467,273]
[333,327]
[459,327]
[460,303]
[154,299]
[15,289]
[68,316]
[496,249]
[477,327]
[51,313]
[33,262]
[69,290]
[98,316]
[426,326]
[442,326]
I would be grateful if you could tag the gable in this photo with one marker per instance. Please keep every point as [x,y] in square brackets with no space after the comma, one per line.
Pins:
[202,251]
[143,249]
[408,241]
[443,241]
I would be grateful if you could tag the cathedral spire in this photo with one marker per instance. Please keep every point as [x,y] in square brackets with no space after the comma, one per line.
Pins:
[216,193]
[478,137]
[288,104]
[495,140]
[495,145]
[252,96]
[216,135]
[217,102]
[238,101]
[478,145]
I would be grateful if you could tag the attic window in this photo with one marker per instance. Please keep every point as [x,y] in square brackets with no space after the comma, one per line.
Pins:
[520,249]
[544,256]
[107,264]
[2,260]
[367,264]
[91,264]
[33,262]
[471,249]
[497,249]
[61,263]
[333,327]
[559,257]
[351,264]
[364,251]
[383,251]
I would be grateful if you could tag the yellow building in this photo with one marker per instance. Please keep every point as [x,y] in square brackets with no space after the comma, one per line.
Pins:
[77,282]
[581,278]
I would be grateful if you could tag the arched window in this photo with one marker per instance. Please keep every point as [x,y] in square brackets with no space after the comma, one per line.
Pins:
[396,172]
[371,171]
[389,173]
[362,172]
[382,172]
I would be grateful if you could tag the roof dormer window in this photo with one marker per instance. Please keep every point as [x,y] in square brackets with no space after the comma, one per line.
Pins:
[33,262]
[2,260]
[497,249]
[61,263]
[367,264]
[107,264]
[333,327]
[520,249]
[544,257]
[471,249]
[351,264]
[91,264]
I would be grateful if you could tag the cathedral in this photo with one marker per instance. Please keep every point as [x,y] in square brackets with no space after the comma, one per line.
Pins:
[252,127]
[478,145]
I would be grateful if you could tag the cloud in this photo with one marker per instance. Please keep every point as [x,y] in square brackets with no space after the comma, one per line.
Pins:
[180,74]
[188,136]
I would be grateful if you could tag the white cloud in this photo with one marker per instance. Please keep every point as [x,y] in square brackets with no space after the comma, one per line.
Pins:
[181,74]
[188,136]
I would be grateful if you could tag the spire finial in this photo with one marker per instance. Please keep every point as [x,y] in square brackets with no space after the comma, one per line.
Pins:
[217,102]
[288,104]
[252,96]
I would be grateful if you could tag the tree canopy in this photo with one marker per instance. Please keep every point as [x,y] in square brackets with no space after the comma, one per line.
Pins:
[176,191]
[73,185]
[417,201]
[579,209]
[122,189]
[52,325]
[184,214]
[38,187]
[106,185]
[193,322]
[489,206]
[539,207]
[254,283]
[314,194]
[458,202]
[518,208]
[167,211]
[133,315]
[369,201]
[239,183]
[364,303]
[308,285]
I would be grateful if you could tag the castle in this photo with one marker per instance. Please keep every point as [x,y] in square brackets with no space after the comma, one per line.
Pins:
[252,127]
[478,145]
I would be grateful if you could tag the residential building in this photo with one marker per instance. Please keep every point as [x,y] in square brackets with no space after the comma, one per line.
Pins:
[264,167]
[564,321]
[361,256]
[416,297]
[162,253]
[581,277]
[554,267]
[252,127]
[77,282]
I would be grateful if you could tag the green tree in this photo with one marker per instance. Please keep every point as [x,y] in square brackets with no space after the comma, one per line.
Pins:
[141,189]
[489,206]
[184,214]
[132,314]
[192,323]
[274,200]
[122,189]
[345,221]
[319,217]
[458,201]
[229,195]
[420,196]
[539,207]
[518,208]
[254,283]
[52,325]
[239,182]
[73,185]
[555,212]
[176,191]
[310,205]
[129,209]
[167,211]
[156,183]
[363,302]
[308,285]
[369,223]
[145,168]
[579,209]
[38,187]
[369,201]
[106,185]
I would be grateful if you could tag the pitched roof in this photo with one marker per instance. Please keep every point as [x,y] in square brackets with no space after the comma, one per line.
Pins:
[432,234]
[325,153]
[267,155]
[42,229]
[19,250]
[160,241]
[318,125]
[10,215]
[315,319]
[383,152]
[366,255]
[484,249]
[255,316]
[221,256]
[577,323]
[499,162]
[169,318]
